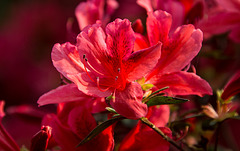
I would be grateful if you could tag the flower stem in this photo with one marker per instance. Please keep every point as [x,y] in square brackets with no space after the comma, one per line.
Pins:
[156,129]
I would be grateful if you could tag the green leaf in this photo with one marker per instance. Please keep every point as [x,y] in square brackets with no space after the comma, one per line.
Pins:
[99,129]
[160,100]
[156,93]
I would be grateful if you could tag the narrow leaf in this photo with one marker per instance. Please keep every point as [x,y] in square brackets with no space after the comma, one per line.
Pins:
[99,129]
[160,100]
[158,91]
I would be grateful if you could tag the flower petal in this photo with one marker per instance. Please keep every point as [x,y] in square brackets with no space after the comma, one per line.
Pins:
[147,4]
[232,87]
[142,140]
[185,44]
[137,26]
[81,121]
[120,38]
[92,48]
[141,42]
[142,62]
[61,133]
[88,86]
[158,26]
[235,33]
[159,115]
[2,113]
[88,13]
[219,23]
[66,59]
[65,93]
[128,102]
[67,139]
[230,5]
[182,83]
[183,47]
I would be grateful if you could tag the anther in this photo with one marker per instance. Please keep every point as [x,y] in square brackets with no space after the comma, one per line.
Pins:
[84,56]
[118,69]
[116,78]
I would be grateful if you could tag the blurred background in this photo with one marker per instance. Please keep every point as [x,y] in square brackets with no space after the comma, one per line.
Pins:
[28,31]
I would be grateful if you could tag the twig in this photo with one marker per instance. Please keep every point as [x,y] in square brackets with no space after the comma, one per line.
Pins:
[156,129]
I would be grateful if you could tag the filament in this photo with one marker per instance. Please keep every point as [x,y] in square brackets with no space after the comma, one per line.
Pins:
[84,57]
[98,85]
[93,68]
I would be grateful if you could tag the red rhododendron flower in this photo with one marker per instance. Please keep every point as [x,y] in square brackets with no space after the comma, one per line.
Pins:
[143,138]
[178,49]
[89,12]
[72,124]
[102,63]
[74,120]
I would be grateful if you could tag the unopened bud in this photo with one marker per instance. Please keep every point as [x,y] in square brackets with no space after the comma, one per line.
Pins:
[40,140]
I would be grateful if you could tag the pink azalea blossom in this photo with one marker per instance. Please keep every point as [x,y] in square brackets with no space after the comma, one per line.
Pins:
[72,124]
[102,64]
[6,141]
[224,18]
[178,49]
[143,138]
[89,12]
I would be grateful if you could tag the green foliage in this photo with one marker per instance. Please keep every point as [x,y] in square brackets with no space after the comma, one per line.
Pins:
[99,129]
[160,100]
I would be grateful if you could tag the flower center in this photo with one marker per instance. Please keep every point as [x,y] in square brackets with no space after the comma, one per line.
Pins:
[88,67]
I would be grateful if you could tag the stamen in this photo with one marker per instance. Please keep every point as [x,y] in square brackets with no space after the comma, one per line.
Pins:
[84,57]
[98,85]
[118,69]
[85,69]
[94,68]
[116,78]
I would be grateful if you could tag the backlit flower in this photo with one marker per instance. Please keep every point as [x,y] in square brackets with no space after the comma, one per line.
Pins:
[103,64]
